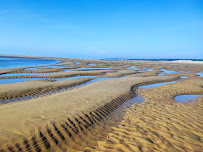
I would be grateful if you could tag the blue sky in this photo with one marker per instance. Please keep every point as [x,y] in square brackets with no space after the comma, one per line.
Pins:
[102,28]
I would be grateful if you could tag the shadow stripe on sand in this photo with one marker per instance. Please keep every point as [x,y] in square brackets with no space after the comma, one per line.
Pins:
[51,137]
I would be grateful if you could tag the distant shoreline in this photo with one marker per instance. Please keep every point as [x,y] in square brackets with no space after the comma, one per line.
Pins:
[123,59]
[187,61]
[119,59]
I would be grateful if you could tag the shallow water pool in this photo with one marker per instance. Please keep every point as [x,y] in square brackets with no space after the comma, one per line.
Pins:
[3,81]
[94,68]
[200,74]
[149,70]
[76,77]
[77,63]
[91,64]
[155,85]
[186,98]
[166,72]
[184,77]
[133,67]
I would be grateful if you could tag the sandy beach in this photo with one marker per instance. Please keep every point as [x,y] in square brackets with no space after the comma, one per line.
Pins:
[160,123]
[78,114]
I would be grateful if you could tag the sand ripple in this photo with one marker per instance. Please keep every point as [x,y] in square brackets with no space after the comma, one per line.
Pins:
[160,123]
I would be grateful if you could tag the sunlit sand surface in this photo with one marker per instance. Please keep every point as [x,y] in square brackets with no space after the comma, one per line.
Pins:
[96,113]
[160,123]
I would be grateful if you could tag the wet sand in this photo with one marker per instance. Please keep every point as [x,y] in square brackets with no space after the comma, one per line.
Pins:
[160,123]
[56,122]
[31,88]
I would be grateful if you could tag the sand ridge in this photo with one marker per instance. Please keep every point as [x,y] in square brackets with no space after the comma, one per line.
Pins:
[60,74]
[41,111]
[30,88]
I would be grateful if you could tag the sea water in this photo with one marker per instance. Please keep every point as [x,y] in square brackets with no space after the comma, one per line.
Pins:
[12,62]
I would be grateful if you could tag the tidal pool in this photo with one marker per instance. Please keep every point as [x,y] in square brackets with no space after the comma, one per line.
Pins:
[94,68]
[133,67]
[77,63]
[200,74]
[91,64]
[186,98]
[184,77]
[166,72]
[3,81]
[76,77]
[155,85]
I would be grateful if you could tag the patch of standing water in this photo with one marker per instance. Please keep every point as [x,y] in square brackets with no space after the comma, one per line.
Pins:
[186,98]
[64,70]
[36,68]
[155,85]
[144,69]
[133,67]
[166,72]
[94,68]
[51,66]
[149,70]
[161,74]
[77,63]
[136,99]
[91,64]
[200,74]
[184,77]
[3,81]
[30,68]
[76,77]
[67,70]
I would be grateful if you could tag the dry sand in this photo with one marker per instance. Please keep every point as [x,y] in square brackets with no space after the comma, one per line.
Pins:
[63,121]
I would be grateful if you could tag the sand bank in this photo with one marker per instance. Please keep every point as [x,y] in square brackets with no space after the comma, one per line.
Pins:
[31,88]
[61,74]
[9,70]
[43,112]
